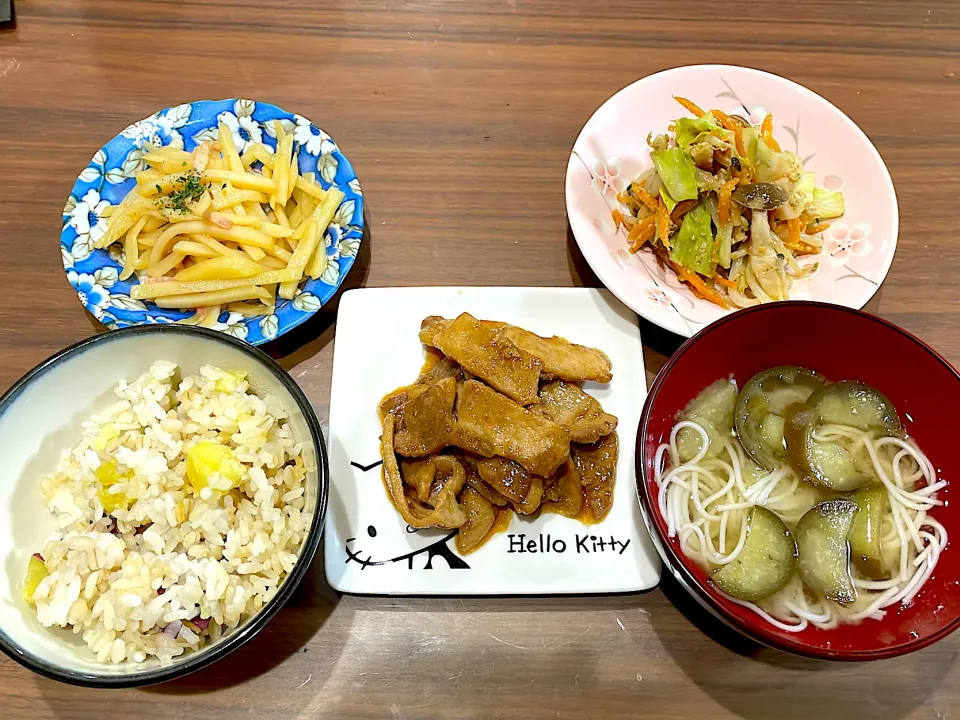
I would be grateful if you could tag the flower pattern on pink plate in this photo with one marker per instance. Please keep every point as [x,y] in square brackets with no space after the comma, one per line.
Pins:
[656,296]
[606,177]
[844,242]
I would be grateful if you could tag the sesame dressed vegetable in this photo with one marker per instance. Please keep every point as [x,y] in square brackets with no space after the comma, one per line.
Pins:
[727,209]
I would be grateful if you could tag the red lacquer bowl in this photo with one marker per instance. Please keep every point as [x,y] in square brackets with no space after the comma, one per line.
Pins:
[841,344]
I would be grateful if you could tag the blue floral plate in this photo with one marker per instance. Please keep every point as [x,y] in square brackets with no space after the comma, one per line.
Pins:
[95,273]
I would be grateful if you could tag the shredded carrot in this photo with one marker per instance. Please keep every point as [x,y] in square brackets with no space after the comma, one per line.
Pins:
[814,229]
[725,120]
[802,247]
[766,129]
[663,224]
[705,291]
[691,107]
[646,232]
[645,224]
[617,218]
[738,141]
[718,278]
[723,206]
[681,209]
[644,197]
[793,225]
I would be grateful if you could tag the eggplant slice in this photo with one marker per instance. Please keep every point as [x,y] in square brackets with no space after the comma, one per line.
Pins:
[770,393]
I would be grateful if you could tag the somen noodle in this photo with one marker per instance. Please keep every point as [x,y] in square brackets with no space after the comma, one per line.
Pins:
[706,501]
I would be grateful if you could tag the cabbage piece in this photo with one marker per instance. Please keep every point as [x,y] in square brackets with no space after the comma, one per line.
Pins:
[826,204]
[676,170]
[667,200]
[689,129]
[783,167]
[763,258]
[693,246]
[724,233]
[701,153]
[800,196]
[751,137]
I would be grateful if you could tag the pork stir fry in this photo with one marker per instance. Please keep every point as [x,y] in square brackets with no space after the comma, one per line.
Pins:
[497,423]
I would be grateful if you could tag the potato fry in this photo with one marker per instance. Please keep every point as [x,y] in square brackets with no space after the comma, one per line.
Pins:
[295,216]
[195,249]
[148,239]
[215,245]
[253,221]
[157,289]
[280,254]
[165,265]
[235,218]
[258,210]
[220,268]
[158,155]
[249,310]
[298,262]
[311,187]
[255,152]
[194,319]
[323,214]
[276,231]
[318,263]
[210,316]
[168,160]
[127,213]
[226,196]
[242,180]
[131,248]
[237,234]
[282,220]
[281,166]
[215,297]
[230,154]
[294,171]
[153,223]
[272,263]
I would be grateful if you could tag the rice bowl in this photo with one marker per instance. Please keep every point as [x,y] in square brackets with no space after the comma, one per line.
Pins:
[157,557]
[181,563]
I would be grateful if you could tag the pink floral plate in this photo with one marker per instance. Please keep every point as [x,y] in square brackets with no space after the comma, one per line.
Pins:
[611,150]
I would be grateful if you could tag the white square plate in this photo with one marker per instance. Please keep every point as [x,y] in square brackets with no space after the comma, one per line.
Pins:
[377,350]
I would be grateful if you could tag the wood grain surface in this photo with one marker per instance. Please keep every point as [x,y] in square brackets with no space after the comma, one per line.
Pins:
[458,117]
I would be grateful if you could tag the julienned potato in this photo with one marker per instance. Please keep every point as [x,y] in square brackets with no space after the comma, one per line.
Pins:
[212,229]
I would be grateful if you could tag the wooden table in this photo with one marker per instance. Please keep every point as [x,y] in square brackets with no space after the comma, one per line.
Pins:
[458,117]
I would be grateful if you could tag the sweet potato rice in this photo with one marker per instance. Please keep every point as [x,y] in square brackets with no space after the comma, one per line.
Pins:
[179,513]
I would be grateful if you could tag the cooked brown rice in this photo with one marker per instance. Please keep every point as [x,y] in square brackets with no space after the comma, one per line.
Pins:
[178,568]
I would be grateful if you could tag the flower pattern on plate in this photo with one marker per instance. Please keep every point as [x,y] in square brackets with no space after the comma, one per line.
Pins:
[312,138]
[606,177]
[86,218]
[844,242]
[656,296]
[245,130]
[94,274]
[95,297]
